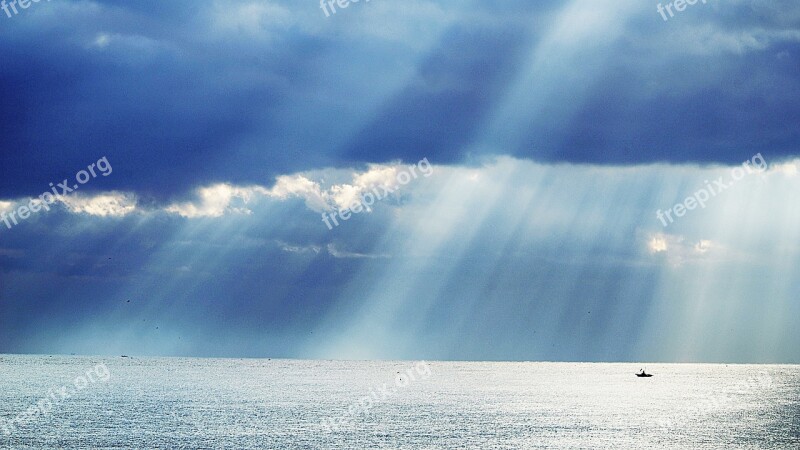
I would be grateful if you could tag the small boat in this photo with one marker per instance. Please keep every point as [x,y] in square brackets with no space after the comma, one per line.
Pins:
[644,374]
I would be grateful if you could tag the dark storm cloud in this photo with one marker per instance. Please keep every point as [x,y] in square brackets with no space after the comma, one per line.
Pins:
[440,112]
[184,93]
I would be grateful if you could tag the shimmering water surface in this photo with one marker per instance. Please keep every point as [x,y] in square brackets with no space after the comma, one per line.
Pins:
[234,403]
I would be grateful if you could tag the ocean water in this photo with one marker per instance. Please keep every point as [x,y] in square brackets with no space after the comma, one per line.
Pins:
[242,404]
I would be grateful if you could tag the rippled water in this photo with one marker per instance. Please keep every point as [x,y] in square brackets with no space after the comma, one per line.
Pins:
[232,403]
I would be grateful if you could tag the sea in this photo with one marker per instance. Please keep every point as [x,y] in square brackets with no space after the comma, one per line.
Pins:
[79,402]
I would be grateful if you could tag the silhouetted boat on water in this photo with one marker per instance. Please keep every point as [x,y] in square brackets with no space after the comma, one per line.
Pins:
[644,374]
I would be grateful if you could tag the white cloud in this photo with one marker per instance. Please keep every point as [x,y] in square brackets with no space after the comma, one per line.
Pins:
[344,195]
[710,39]
[703,246]
[256,19]
[657,244]
[288,186]
[135,48]
[788,168]
[299,248]
[341,195]
[6,207]
[331,249]
[102,40]
[220,199]
[678,250]
[217,200]
[337,253]
[114,204]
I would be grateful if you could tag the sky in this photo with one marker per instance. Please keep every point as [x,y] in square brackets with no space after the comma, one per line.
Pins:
[460,180]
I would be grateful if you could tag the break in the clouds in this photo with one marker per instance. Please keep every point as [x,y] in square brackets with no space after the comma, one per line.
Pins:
[558,131]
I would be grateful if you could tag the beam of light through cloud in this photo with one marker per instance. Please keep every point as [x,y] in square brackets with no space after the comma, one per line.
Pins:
[558,130]
[512,259]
